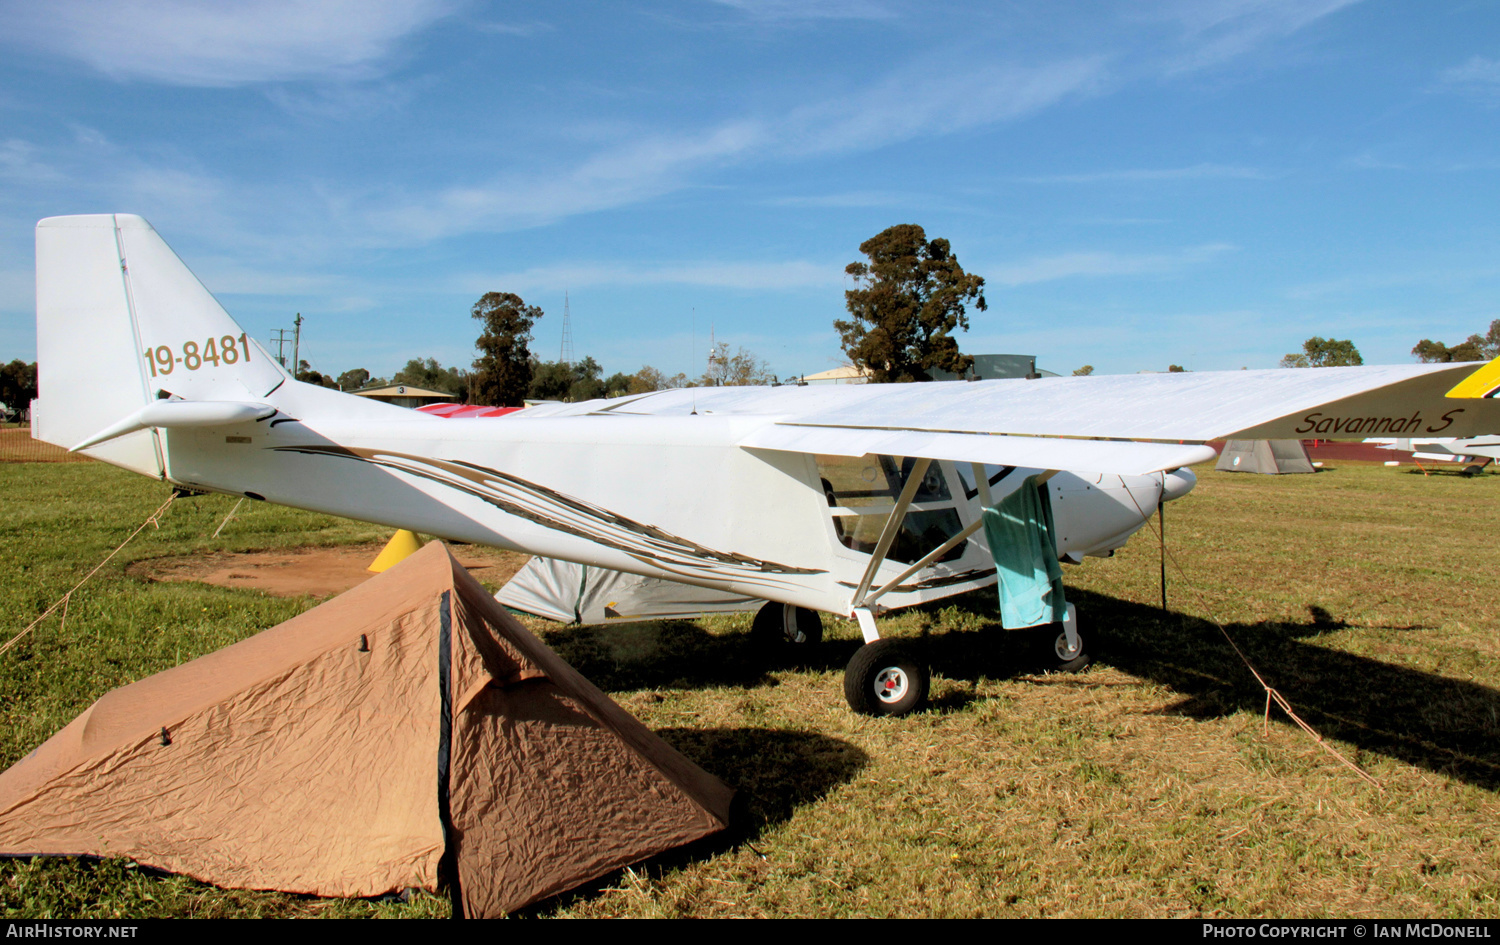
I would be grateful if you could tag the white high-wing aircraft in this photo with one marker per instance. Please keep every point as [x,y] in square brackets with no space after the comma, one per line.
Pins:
[1446,449]
[836,499]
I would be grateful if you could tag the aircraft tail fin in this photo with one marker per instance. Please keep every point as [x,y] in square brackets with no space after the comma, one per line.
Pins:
[121,324]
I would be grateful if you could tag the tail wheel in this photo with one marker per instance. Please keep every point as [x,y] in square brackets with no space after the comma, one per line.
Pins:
[883,679]
[781,629]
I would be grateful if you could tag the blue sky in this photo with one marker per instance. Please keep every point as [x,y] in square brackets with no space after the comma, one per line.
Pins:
[1205,182]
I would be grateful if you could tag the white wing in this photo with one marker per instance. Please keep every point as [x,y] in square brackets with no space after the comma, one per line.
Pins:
[1047,423]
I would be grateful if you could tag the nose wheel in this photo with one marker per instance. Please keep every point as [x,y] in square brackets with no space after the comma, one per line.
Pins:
[882,678]
[1061,655]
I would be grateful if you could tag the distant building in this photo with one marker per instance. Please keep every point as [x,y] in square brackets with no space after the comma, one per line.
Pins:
[847,374]
[987,367]
[990,367]
[403,395]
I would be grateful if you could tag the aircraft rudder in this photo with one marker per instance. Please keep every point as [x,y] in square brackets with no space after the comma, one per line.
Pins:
[87,373]
[122,321]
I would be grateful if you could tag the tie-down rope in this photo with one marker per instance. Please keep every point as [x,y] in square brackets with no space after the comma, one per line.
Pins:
[153,519]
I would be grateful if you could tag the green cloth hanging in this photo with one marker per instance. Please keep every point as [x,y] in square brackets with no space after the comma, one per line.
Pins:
[1021,539]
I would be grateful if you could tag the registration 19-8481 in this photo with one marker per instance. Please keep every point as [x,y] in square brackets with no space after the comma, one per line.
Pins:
[226,350]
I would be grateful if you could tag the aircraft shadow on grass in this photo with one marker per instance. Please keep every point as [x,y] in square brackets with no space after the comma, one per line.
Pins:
[1445,725]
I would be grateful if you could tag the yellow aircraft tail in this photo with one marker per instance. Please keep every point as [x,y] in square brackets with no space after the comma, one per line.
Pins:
[1482,383]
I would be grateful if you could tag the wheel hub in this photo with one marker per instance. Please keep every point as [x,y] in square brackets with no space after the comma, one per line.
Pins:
[891,684]
[1064,651]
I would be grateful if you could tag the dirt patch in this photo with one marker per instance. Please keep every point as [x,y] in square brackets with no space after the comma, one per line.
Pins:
[314,572]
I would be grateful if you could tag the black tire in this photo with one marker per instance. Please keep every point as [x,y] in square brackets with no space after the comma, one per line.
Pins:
[784,629]
[1472,471]
[1055,655]
[883,679]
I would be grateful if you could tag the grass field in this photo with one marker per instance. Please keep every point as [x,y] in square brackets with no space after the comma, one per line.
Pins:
[1147,786]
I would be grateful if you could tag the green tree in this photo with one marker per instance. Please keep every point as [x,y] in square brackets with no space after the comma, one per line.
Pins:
[503,370]
[307,375]
[550,380]
[741,369]
[647,379]
[354,379]
[559,380]
[617,384]
[18,385]
[586,382]
[430,375]
[1324,352]
[1176,369]
[1473,348]
[906,303]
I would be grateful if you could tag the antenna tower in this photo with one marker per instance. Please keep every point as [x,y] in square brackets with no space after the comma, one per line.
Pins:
[716,357]
[566,355]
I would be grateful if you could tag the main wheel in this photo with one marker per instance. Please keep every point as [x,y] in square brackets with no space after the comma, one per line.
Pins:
[883,679]
[781,629]
[1058,657]
[1472,471]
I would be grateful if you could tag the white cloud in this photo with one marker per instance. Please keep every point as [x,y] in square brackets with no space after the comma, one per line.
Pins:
[1196,171]
[774,276]
[912,103]
[514,29]
[1477,69]
[20,164]
[783,10]
[1479,77]
[1217,31]
[1442,279]
[930,98]
[229,276]
[858,198]
[1071,265]
[206,43]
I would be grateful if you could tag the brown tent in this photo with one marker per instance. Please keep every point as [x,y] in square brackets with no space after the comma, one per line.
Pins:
[346,752]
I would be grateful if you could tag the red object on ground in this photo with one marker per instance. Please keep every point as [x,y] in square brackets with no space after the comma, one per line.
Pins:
[466,411]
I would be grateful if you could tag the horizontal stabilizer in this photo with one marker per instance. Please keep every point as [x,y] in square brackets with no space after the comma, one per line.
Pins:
[1033,452]
[168,414]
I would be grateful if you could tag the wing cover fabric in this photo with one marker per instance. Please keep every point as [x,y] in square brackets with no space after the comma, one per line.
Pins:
[585,594]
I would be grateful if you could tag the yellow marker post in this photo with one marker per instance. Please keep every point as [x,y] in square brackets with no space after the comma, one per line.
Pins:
[401,545]
[1482,383]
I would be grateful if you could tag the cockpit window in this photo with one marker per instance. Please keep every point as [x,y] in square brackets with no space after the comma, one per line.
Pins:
[862,491]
